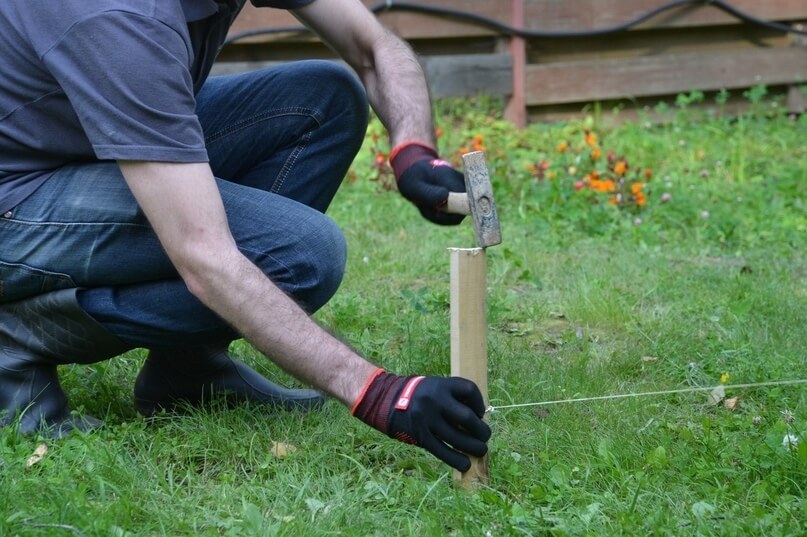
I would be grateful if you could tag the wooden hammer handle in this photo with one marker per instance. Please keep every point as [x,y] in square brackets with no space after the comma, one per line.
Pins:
[458,203]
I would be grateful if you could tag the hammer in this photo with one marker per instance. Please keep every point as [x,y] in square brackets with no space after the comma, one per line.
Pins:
[468,292]
[477,201]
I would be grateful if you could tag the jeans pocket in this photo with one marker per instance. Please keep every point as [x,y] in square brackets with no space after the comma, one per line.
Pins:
[18,281]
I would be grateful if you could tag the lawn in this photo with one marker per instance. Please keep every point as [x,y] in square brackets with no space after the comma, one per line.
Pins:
[639,257]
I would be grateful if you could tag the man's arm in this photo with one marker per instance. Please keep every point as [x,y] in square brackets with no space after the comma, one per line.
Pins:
[397,89]
[386,65]
[183,205]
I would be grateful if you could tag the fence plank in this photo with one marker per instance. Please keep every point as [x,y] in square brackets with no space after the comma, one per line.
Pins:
[572,15]
[691,47]
[552,15]
[449,76]
[468,75]
[405,24]
[595,80]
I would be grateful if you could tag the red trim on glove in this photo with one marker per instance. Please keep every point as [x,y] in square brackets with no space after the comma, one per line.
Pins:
[403,145]
[367,385]
[408,153]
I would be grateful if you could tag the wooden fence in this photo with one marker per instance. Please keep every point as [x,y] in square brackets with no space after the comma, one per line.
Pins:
[688,48]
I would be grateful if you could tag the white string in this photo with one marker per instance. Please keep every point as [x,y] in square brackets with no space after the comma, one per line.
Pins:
[647,394]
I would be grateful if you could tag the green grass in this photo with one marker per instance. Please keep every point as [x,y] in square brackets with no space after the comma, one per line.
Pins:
[579,293]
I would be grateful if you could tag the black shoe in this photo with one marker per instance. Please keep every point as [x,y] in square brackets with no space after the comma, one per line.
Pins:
[37,334]
[199,375]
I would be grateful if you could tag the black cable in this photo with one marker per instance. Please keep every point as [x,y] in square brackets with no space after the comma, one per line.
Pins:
[504,29]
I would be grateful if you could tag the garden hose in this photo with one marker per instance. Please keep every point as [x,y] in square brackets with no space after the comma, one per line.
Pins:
[504,29]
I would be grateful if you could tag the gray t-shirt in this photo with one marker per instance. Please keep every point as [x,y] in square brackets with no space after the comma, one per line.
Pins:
[88,80]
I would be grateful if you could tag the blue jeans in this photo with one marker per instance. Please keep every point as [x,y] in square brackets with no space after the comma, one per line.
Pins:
[280,142]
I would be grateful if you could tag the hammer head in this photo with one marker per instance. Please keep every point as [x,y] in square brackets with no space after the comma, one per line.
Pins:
[480,200]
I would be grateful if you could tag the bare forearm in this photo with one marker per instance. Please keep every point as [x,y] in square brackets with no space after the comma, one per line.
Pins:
[278,327]
[185,209]
[396,87]
[387,66]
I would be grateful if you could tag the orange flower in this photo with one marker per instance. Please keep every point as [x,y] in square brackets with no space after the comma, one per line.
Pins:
[636,188]
[640,198]
[606,185]
[648,173]
[478,143]
[613,201]
[463,150]
[438,132]
[620,167]
[563,146]
[591,138]
[596,153]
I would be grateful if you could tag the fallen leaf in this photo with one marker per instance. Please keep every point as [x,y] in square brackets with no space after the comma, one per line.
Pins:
[282,449]
[732,403]
[542,413]
[717,395]
[39,454]
[649,358]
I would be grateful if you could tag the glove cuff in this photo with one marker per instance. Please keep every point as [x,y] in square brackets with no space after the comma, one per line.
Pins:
[404,155]
[378,399]
[364,390]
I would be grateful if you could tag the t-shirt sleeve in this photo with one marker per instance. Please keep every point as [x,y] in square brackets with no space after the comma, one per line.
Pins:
[127,77]
[281,4]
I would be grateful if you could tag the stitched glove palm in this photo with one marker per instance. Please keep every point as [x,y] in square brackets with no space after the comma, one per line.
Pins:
[425,180]
[441,415]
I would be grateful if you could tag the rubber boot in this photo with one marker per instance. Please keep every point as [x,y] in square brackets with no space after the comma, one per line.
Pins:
[36,335]
[199,375]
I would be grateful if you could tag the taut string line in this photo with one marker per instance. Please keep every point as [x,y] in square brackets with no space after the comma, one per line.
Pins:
[648,394]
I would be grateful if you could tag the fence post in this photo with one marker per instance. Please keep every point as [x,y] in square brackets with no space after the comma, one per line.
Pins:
[796,104]
[516,109]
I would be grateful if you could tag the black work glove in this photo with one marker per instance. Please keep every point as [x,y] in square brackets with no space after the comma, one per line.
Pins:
[441,415]
[425,180]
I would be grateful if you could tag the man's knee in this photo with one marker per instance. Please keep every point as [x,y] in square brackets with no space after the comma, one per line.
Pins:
[348,97]
[321,266]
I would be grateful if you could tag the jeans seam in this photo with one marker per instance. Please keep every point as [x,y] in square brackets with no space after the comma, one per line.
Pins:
[38,269]
[288,270]
[71,224]
[263,116]
[289,164]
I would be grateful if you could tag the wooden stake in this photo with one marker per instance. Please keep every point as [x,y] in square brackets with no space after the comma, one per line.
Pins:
[469,336]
